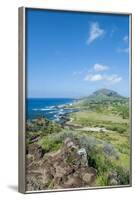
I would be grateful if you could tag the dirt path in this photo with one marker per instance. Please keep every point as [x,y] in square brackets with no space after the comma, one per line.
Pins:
[78,127]
[94,129]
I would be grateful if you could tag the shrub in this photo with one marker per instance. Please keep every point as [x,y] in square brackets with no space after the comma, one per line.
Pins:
[102,180]
[123,176]
[99,161]
[61,136]
[104,165]
[54,141]
[87,142]
[117,127]
[43,126]
[110,150]
[49,144]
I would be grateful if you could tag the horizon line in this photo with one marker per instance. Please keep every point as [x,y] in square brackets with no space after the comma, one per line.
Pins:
[52,97]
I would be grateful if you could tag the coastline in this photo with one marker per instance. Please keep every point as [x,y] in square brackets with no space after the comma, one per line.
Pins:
[51,108]
[98,130]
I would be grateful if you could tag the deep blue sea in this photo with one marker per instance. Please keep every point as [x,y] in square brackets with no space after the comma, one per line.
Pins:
[50,108]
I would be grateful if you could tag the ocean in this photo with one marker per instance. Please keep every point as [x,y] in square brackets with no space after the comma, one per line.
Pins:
[50,108]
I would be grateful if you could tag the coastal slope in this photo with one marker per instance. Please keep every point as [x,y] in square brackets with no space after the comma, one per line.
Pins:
[90,149]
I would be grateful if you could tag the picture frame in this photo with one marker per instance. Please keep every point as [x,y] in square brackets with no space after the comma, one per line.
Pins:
[119,154]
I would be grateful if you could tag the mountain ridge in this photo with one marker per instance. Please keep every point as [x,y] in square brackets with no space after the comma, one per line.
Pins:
[105,95]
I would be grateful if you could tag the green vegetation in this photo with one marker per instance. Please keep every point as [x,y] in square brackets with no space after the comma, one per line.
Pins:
[107,147]
[49,144]
[39,128]
[106,109]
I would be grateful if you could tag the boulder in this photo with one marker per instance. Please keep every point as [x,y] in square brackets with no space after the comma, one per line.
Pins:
[82,152]
[66,168]
[35,150]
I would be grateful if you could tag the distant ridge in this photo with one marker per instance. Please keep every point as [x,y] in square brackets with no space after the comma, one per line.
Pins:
[104,95]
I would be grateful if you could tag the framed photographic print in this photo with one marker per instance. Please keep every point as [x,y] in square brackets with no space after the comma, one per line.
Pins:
[74,100]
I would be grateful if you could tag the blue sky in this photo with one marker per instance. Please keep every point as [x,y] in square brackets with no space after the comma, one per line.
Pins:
[73,54]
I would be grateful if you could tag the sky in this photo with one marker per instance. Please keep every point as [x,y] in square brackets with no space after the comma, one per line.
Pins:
[72,54]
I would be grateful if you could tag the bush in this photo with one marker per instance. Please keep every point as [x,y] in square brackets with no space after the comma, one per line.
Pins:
[49,144]
[43,126]
[117,127]
[110,150]
[102,180]
[54,141]
[87,142]
[105,164]
[123,176]
[61,136]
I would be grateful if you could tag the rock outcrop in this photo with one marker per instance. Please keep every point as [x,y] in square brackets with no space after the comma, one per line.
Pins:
[65,168]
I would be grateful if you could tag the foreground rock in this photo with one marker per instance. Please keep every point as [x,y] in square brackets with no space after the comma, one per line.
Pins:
[66,168]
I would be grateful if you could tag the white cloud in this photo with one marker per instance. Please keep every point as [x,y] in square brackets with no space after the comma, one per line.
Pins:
[125,38]
[124,50]
[95,32]
[95,77]
[99,67]
[114,78]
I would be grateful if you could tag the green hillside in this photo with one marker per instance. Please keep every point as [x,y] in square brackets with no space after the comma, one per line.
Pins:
[104,96]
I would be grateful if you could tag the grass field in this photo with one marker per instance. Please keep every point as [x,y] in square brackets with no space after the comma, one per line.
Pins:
[112,151]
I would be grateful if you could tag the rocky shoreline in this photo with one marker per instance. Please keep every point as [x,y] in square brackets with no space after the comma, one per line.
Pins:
[64,115]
